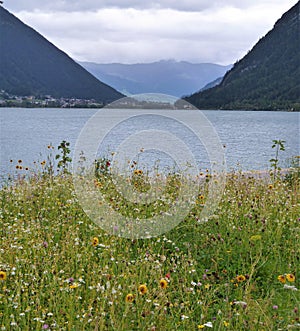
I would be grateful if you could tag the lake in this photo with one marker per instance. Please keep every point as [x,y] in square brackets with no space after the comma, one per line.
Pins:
[245,135]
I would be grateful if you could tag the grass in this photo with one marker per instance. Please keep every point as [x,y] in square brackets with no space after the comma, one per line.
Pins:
[59,271]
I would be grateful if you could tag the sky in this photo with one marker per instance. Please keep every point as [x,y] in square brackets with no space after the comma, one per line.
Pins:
[137,31]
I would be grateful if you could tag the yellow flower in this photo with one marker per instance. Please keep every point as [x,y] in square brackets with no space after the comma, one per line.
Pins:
[207,286]
[163,283]
[2,275]
[240,278]
[200,197]
[97,183]
[74,285]
[138,172]
[201,326]
[95,241]
[129,298]
[290,277]
[281,278]
[226,323]
[256,237]
[270,186]
[143,289]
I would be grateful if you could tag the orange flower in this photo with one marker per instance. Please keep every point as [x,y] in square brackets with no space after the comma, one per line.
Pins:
[290,277]
[240,278]
[2,275]
[143,289]
[129,298]
[95,241]
[163,283]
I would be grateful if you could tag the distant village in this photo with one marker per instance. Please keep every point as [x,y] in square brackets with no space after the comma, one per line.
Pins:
[46,101]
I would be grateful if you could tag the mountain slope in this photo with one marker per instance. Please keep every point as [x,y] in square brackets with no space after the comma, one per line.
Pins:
[31,65]
[268,77]
[169,77]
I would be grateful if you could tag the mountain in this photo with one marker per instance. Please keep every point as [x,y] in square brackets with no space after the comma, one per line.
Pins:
[212,84]
[166,76]
[268,77]
[31,65]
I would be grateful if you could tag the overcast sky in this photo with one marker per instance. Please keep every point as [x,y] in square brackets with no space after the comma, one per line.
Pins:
[135,31]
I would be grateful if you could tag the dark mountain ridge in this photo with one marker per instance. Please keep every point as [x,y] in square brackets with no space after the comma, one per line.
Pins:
[268,77]
[31,65]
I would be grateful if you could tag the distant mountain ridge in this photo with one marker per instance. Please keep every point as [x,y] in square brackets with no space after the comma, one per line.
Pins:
[268,77]
[31,65]
[166,76]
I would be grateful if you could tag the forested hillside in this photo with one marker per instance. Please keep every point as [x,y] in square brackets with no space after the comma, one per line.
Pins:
[268,77]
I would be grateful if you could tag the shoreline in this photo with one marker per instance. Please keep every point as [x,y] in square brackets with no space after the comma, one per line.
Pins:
[97,107]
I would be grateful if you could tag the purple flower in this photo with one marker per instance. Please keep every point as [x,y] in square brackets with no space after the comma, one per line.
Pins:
[45,244]
[45,326]
[275,307]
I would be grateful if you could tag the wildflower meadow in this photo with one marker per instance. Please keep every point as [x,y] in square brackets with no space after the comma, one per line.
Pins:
[237,270]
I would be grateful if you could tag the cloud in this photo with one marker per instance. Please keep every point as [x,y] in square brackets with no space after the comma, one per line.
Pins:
[139,31]
[94,5]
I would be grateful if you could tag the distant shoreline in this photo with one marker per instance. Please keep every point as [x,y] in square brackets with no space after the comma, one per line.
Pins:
[100,107]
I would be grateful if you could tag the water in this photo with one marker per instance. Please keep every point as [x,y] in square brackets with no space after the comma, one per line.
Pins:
[246,135]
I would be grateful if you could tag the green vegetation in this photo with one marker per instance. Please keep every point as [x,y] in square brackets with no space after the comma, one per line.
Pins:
[279,146]
[237,271]
[268,77]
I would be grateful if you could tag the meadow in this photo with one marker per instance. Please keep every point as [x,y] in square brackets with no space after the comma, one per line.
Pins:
[238,270]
